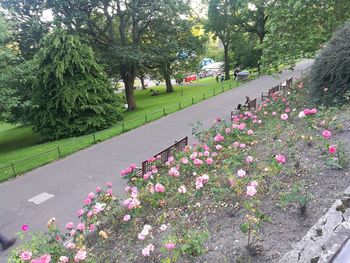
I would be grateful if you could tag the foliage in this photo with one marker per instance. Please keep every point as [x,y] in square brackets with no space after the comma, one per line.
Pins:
[330,77]
[15,78]
[81,99]
[297,30]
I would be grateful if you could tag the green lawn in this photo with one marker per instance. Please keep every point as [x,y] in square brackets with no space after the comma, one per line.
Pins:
[17,144]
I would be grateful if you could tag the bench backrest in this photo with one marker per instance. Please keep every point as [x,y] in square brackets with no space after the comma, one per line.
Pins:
[251,104]
[165,154]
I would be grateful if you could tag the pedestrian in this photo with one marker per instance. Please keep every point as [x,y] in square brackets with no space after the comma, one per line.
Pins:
[235,72]
[217,78]
[6,243]
[222,78]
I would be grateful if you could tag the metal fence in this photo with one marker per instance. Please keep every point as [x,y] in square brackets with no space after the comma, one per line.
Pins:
[17,167]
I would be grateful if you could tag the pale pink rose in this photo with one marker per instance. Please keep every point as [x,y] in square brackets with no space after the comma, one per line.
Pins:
[170,246]
[72,233]
[209,161]
[141,236]
[301,114]
[251,190]
[219,138]
[109,184]
[242,126]
[26,255]
[214,154]
[70,245]
[193,156]
[280,158]
[91,195]
[287,110]
[69,225]
[227,130]
[236,144]
[46,258]
[110,192]
[81,226]
[254,183]
[198,162]
[80,212]
[242,145]
[241,173]
[98,189]
[249,159]
[80,256]
[159,188]
[126,218]
[273,113]
[182,189]
[92,227]
[127,188]
[259,121]
[63,259]
[147,250]
[200,154]
[163,227]
[206,153]
[218,147]
[326,134]
[199,183]
[146,176]
[332,149]
[284,116]
[205,178]
[184,160]
[250,132]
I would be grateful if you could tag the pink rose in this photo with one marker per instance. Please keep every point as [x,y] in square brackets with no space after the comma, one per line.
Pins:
[236,144]
[241,173]
[63,259]
[80,256]
[98,189]
[46,258]
[227,130]
[80,212]
[280,158]
[69,225]
[209,161]
[126,218]
[159,188]
[249,159]
[26,255]
[81,226]
[92,227]
[182,189]
[87,201]
[163,227]
[170,246]
[326,134]
[205,178]
[218,147]
[250,132]
[91,195]
[284,116]
[25,228]
[242,145]
[147,250]
[251,191]
[109,184]
[332,149]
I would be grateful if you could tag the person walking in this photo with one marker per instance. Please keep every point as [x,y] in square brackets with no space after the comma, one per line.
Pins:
[217,78]
[6,243]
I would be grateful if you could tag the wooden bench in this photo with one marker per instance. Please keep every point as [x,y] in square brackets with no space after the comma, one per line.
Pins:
[164,155]
[250,104]
[270,92]
[287,84]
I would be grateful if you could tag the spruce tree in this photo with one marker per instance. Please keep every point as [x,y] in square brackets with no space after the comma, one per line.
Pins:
[71,94]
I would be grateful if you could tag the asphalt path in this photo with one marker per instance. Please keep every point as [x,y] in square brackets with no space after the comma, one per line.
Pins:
[70,179]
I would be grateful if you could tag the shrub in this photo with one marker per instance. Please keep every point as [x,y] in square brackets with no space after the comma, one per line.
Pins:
[71,94]
[330,74]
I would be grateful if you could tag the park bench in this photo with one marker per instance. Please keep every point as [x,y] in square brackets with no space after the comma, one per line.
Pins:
[270,92]
[250,104]
[287,84]
[164,155]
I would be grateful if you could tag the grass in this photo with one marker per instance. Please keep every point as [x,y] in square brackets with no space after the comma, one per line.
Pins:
[26,150]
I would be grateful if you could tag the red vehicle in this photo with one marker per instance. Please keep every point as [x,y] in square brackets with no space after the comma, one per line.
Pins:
[191,78]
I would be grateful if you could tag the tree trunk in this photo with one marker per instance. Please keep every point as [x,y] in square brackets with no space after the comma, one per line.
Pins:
[142,79]
[166,72]
[227,63]
[128,75]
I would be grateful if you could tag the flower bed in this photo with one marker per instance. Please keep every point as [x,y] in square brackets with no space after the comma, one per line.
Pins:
[243,193]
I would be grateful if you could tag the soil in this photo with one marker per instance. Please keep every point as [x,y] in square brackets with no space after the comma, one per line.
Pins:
[286,225]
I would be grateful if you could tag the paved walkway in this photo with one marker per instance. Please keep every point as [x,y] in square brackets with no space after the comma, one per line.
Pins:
[71,178]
